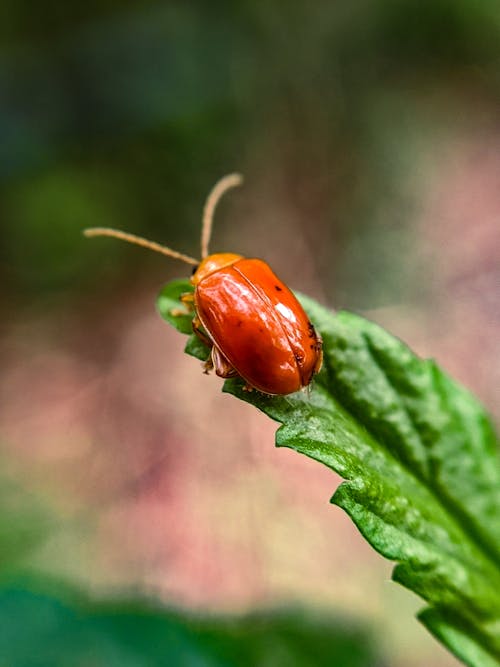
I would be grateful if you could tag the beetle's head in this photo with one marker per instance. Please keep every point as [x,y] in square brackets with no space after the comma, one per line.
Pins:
[213,263]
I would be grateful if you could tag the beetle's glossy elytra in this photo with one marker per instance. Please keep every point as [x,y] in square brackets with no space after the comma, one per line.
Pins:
[258,325]
[252,323]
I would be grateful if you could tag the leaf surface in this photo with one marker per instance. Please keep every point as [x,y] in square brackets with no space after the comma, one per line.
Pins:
[419,457]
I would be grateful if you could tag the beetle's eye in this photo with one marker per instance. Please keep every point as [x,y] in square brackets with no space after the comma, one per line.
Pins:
[195,269]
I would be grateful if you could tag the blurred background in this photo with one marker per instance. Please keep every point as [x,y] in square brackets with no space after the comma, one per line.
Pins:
[369,136]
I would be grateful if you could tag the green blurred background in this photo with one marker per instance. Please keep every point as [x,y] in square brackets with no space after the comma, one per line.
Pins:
[137,501]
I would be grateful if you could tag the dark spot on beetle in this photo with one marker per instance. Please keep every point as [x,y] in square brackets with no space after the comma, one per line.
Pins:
[261,329]
[299,358]
[310,330]
[278,288]
[239,323]
[195,269]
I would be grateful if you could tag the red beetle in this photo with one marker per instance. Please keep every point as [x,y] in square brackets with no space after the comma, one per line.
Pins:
[252,322]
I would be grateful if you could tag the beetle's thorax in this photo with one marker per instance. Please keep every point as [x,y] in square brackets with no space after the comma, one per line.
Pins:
[213,263]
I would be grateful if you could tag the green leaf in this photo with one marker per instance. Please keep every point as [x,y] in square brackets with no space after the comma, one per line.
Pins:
[46,623]
[420,461]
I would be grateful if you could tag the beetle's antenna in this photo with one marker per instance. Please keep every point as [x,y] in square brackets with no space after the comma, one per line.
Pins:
[229,181]
[138,240]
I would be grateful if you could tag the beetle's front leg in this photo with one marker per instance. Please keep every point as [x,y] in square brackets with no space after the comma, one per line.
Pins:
[187,299]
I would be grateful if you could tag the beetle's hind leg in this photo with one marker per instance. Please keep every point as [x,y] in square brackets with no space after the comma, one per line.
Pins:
[216,360]
[222,366]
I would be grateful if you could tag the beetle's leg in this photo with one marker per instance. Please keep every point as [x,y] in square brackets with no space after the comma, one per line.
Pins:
[200,332]
[187,299]
[222,366]
[207,365]
[319,349]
